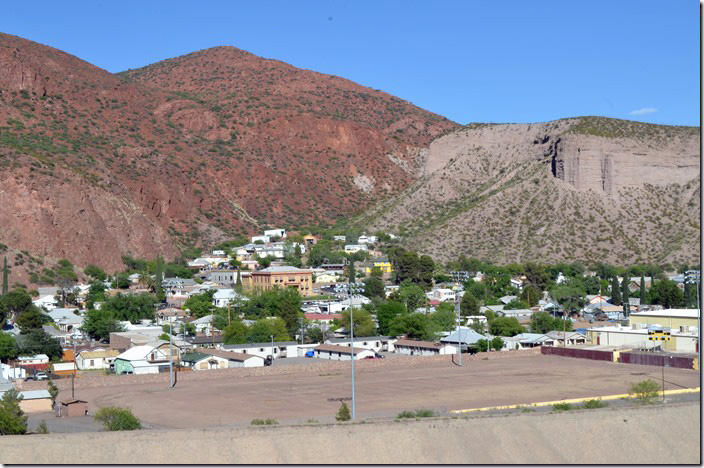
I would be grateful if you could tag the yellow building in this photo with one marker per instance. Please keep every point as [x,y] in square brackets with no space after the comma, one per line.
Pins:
[668,318]
[382,263]
[283,277]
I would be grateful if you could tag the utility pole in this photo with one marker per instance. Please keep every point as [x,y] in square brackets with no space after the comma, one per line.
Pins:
[272,349]
[171,356]
[352,351]
[459,320]
[228,313]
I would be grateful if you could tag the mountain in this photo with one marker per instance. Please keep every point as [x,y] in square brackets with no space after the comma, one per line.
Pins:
[189,151]
[589,189]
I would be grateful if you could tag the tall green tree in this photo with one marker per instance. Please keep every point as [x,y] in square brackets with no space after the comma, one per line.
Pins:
[159,279]
[238,283]
[666,293]
[14,303]
[385,314]
[261,331]
[5,277]
[133,307]
[625,292]
[469,305]
[615,291]
[12,418]
[351,274]
[361,322]
[506,326]
[542,322]
[374,287]
[98,324]
[37,341]
[444,317]
[415,326]
[412,295]
[31,318]
[235,333]
[8,347]
[643,296]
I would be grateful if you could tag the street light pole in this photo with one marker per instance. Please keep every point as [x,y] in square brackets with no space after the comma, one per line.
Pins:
[352,351]
[272,349]
[459,339]
[171,358]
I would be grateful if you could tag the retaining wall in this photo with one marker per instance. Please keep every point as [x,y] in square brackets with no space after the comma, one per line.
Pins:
[594,354]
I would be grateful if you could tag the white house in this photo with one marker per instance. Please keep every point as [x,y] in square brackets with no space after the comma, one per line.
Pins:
[520,314]
[36,359]
[375,343]
[352,248]
[442,295]
[234,359]
[339,238]
[363,240]
[146,359]
[573,338]
[423,348]
[222,297]
[67,319]
[281,349]
[47,302]
[275,233]
[526,340]
[96,359]
[202,361]
[264,239]
[341,353]
[204,324]
[9,372]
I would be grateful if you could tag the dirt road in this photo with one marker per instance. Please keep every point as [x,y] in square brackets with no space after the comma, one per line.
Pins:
[380,392]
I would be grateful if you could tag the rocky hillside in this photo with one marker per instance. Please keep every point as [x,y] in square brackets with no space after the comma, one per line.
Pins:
[590,189]
[188,151]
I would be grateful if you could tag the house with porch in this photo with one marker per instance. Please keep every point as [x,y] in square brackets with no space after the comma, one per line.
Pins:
[423,348]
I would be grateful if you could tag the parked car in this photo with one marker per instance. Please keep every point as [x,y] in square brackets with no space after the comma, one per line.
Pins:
[42,376]
[310,353]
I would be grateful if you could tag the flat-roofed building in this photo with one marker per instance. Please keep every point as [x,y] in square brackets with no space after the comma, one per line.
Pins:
[283,277]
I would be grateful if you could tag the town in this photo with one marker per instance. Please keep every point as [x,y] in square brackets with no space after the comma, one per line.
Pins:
[287,298]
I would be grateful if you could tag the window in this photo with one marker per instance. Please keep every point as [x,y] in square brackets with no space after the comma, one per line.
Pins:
[261,350]
[92,363]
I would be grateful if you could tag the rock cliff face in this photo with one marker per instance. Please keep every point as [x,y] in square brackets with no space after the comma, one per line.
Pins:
[189,151]
[575,189]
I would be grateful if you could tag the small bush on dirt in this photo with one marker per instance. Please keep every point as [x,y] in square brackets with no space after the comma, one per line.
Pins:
[41,428]
[117,419]
[264,422]
[562,407]
[595,403]
[421,413]
[645,391]
[343,414]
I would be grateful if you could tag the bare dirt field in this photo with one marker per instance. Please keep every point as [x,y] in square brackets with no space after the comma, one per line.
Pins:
[659,434]
[380,391]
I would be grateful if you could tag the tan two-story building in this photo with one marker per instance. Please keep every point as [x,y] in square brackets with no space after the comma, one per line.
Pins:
[283,277]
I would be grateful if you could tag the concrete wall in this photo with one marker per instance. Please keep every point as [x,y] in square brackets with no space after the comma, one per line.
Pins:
[38,405]
[521,438]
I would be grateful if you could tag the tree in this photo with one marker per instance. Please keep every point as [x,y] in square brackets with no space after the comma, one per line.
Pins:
[444,317]
[537,275]
[122,281]
[361,321]
[96,293]
[37,341]
[14,302]
[506,326]
[41,428]
[264,262]
[407,266]
[426,266]
[625,292]
[386,312]
[411,295]
[12,418]
[496,343]
[98,324]
[187,329]
[31,318]
[415,326]
[117,419]
[261,331]
[531,295]
[351,274]
[615,292]
[8,347]
[159,279]
[5,277]
[235,333]
[515,304]
[542,322]
[133,307]
[95,272]
[53,392]
[200,305]
[469,305]
[374,287]
[343,414]
[481,345]
[643,297]
[667,294]
[477,326]
[238,283]
[569,296]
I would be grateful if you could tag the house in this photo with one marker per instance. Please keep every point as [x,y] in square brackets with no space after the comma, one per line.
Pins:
[506,299]
[71,408]
[341,353]
[63,368]
[173,314]
[204,325]
[517,283]
[362,240]
[234,359]
[381,263]
[284,277]
[199,264]
[310,240]
[325,278]
[9,372]
[374,343]
[573,338]
[520,314]
[211,341]
[442,295]
[527,340]
[281,349]
[423,348]
[96,359]
[596,298]
[354,302]
[467,338]
[322,320]
[352,248]
[177,283]
[682,339]
[339,238]
[38,362]
[262,239]
[275,233]
[493,308]
[202,361]
[47,302]
[223,297]
[147,359]
[67,319]
[35,401]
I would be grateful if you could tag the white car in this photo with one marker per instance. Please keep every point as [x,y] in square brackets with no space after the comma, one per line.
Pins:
[42,376]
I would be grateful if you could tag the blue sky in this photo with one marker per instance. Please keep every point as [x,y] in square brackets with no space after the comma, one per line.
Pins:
[471,61]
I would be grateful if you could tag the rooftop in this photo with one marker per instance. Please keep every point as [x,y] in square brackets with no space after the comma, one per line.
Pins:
[338,349]
[679,313]
[418,344]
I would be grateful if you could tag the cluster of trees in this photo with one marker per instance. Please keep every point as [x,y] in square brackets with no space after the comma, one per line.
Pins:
[409,266]
[99,323]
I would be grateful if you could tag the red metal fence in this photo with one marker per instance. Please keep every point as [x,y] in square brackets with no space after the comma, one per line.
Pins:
[648,359]
[578,353]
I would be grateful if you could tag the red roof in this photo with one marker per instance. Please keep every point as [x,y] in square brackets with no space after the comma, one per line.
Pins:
[312,316]
[434,302]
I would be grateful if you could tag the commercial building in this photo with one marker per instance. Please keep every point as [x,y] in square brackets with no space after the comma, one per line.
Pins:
[668,318]
[283,277]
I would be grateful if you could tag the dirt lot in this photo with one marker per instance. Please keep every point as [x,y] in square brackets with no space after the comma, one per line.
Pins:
[380,391]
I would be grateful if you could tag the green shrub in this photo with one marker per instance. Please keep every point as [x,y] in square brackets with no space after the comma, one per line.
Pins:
[42,429]
[421,413]
[117,419]
[343,414]
[562,407]
[264,422]
[595,403]
[645,391]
